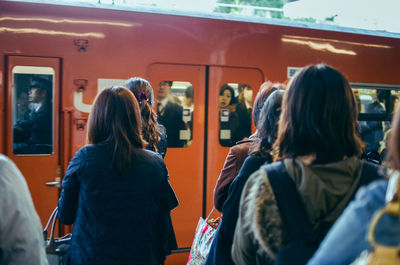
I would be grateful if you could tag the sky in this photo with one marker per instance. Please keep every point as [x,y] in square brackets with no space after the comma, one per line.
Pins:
[365,14]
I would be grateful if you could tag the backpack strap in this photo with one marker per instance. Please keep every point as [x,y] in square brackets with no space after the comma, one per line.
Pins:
[289,202]
[303,239]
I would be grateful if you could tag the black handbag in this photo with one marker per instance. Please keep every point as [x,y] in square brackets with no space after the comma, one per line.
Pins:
[56,248]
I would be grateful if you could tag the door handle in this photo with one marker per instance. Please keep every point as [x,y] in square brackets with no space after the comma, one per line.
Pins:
[55,183]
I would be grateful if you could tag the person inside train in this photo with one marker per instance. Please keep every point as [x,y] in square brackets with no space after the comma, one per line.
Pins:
[244,110]
[36,131]
[170,114]
[237,153]
[229,119]
[115,192]
[267,128]
[22,108]
[188,108]
[153,132]
[372,132]
[316,173]
[348,237]
[21,235]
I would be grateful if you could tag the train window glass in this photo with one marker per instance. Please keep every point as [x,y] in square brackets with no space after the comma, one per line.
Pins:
[372,100]
[235,108]
[175,111]
[32,110]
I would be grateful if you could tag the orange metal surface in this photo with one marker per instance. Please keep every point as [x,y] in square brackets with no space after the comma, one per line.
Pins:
[37,169]
[93,43]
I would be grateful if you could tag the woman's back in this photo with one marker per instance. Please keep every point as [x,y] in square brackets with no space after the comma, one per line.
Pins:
[118,218]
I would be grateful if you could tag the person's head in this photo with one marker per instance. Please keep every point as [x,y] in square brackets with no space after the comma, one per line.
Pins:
[163,89]
[143,92]
[115,118]
[246,94]
[319,116]
[267,127]
[141,88]
[37,92]
[382,95]
[266,89]
[226,96]
[188,98]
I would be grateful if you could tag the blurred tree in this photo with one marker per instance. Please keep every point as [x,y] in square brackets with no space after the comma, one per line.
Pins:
[254,3]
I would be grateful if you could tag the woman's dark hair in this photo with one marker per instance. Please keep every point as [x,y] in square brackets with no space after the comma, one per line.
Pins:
[267,127]
[266,89]
[115,118]
[394,142]
[228,87]
[319,117]
[143,92]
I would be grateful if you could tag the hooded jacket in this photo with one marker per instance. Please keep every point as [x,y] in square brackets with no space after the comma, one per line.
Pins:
[260,232]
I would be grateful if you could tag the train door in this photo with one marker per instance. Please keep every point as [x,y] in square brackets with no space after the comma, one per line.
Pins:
[180,103]
[220,137]
[32,126]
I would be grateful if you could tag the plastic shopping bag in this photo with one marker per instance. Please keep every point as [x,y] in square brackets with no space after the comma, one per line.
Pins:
[203,238]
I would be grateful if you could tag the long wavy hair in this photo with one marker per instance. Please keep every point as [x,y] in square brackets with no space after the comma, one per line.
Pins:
[144,94]
[115,118]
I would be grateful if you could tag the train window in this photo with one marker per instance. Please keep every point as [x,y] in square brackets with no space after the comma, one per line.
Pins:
[32,110]
[376,105]
[175,111]
[235,104]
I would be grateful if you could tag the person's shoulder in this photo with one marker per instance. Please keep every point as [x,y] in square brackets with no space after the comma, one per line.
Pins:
[4,160]
[5,163]
[375,191]
[149,156]
[242,145]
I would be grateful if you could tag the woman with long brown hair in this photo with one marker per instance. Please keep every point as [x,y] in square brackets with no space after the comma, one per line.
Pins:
[114,192]
[153,132]
[318,172]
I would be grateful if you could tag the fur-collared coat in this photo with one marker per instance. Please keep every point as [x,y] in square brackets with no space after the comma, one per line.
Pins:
[260,232]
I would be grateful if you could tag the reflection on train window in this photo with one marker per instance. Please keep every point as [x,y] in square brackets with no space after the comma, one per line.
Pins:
[175,111]
[32,110]
[376,107]
[235,108]
[372,100]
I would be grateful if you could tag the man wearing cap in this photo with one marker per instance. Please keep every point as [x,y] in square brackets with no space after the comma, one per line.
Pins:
[36,130]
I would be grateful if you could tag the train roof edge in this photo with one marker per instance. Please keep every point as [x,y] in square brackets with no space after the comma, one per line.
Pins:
[266,21]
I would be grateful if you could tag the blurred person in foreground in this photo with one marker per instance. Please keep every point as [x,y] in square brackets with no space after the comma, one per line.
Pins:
[21,236]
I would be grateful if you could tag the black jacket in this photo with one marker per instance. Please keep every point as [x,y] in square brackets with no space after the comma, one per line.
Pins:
[117,219]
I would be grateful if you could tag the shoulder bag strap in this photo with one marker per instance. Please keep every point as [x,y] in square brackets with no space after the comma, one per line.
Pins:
[289,202]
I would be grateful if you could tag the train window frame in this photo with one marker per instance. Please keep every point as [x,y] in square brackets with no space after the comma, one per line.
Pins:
[374,123]
[387,116]
[33,71]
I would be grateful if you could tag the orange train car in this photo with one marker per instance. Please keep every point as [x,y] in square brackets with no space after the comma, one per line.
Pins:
[78,50]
